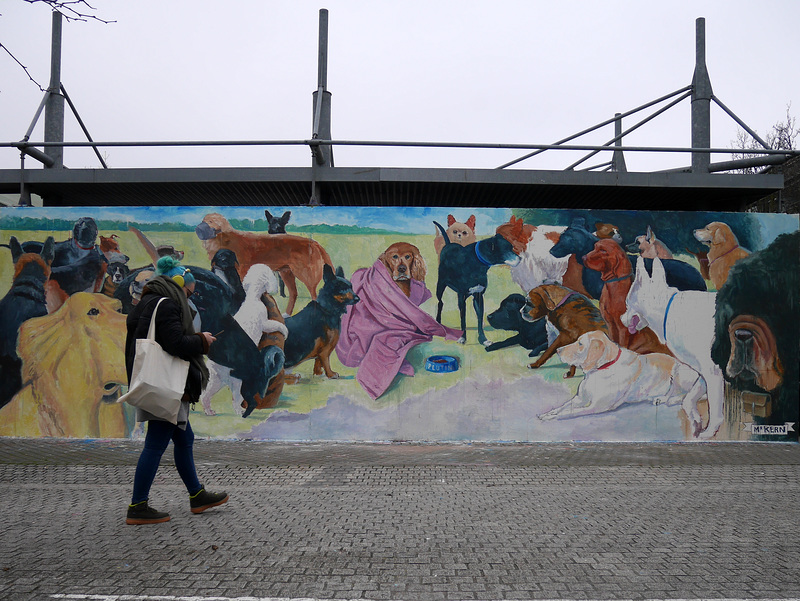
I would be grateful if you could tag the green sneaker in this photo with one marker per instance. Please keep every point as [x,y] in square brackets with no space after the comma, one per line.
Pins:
[142,513]
[203,500]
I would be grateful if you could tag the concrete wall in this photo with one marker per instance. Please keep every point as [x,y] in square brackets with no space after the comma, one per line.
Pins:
[727,366]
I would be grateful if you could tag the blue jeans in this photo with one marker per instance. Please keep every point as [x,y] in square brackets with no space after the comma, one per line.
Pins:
[159,434]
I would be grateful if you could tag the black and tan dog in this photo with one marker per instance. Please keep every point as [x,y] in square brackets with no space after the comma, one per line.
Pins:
[314,330]
[25,299]
[570,312]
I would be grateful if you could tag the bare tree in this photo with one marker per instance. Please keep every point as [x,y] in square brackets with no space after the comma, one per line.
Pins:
[71,10]
[782,136]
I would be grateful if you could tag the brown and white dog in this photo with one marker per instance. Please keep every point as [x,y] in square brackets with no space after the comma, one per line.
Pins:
[537,266]
[606,231]
[460,233]
[723,252]
[571,313]
[405,263]
[290,256]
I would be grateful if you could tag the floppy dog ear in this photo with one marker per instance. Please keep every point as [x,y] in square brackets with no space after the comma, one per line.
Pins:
[595,354]
[548,301]
[719,235]
[418,268]
[614,260]
[534,298]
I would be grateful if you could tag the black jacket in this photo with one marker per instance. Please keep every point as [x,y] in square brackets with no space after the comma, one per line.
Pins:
[169,334]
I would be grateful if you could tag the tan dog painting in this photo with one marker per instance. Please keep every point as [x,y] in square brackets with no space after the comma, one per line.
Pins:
[73,365]
[293,257]
[723,252]
[650,247]
[405,263]
[460,233]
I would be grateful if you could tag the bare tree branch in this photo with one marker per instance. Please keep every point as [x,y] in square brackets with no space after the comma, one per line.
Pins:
[72,10]
[24,68]
[782,136]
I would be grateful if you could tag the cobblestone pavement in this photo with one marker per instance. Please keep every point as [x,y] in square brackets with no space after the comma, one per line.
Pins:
[406,521]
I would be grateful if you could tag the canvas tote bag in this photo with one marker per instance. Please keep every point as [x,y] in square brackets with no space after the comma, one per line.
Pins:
[158,379]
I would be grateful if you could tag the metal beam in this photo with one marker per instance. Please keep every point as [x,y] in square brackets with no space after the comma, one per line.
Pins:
[701,102]
[54,110]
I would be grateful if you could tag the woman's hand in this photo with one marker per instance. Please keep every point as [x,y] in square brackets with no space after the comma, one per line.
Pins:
[209,337]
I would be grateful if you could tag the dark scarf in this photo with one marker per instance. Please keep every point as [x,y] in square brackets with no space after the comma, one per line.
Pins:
[164,286]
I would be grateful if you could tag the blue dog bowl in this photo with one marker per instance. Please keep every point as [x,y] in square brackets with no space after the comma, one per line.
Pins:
[441,363]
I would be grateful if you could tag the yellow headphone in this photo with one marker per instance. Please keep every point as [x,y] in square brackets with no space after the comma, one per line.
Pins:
[179,279]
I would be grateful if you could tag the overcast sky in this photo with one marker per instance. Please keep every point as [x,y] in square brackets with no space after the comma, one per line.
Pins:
[498,71]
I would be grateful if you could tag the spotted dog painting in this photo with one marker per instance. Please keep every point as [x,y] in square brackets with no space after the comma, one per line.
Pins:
[650,326]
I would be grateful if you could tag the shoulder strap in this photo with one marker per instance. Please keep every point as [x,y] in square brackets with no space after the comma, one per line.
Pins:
[151,331]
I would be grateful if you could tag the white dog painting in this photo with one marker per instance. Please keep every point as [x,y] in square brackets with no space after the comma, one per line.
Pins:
[614,376]
[684,321]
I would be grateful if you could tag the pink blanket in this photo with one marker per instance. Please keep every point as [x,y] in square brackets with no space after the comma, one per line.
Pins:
[383,326]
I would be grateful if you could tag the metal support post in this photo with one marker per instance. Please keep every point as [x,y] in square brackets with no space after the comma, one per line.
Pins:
[618,160]
[322,155]
[54,109]
[701,102]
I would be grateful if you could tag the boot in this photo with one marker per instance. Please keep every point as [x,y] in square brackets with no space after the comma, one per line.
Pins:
[142,513]
[202,500]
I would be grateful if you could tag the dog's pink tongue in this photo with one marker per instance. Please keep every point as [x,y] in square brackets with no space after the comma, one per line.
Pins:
[633,324]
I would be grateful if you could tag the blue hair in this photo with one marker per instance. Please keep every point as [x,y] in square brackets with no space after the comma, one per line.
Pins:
[173,269]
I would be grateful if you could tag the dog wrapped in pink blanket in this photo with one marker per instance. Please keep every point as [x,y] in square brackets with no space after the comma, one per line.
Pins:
[378,332]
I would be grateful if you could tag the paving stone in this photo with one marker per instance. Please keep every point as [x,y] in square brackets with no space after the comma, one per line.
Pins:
[408,521]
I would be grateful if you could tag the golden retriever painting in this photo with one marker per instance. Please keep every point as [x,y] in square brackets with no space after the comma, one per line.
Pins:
[73,364]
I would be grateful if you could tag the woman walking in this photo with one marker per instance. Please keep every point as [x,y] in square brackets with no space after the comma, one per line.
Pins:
[176,335]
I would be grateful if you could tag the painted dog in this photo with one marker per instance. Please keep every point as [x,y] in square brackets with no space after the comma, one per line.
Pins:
[314,330]
[25,299]
[464,269]
[578,240]
[78,264]
[684,321]
[570,312]
[292,257]
[529,335]
[277,225]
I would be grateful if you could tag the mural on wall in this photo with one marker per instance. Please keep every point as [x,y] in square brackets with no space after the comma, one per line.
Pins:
[415,323]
